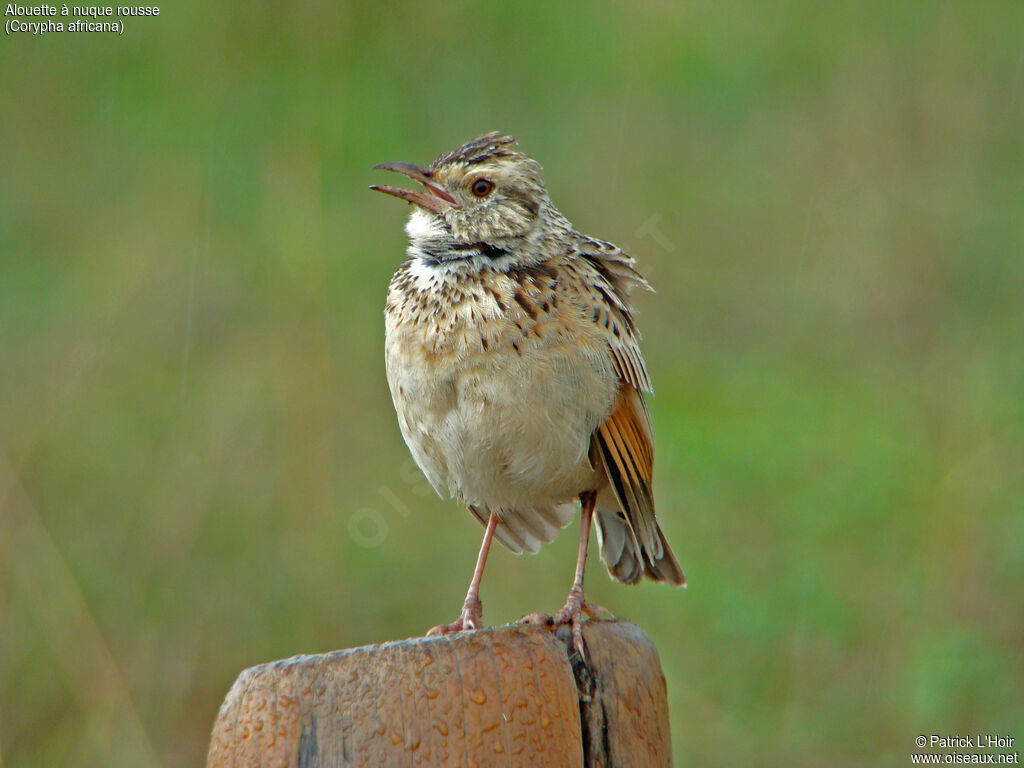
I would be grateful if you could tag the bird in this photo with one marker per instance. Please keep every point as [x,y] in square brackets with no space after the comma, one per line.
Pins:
[513,360]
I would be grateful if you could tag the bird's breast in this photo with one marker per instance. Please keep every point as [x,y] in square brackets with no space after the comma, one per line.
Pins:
[455,315]
[498,382]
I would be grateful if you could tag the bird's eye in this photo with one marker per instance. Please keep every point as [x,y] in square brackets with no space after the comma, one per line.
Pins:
[482,187]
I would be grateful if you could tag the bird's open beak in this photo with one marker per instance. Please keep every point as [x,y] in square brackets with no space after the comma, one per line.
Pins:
[433,199]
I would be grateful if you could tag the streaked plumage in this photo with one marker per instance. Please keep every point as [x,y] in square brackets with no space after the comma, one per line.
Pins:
[513,361]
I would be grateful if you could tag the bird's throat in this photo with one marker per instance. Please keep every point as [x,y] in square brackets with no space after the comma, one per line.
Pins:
[486,250]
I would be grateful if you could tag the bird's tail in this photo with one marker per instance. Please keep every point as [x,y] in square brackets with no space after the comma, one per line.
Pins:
[632,543]
[627,560]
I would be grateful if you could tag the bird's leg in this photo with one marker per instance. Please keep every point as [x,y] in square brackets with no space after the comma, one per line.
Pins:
[575,605]
[472,610]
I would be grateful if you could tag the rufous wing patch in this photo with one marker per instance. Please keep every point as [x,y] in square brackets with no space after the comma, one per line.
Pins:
[625,449]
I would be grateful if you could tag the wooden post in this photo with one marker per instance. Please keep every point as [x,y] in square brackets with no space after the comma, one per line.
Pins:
[509,696]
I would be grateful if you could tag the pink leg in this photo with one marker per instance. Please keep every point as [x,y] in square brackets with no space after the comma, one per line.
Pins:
[575,605]
[472,610]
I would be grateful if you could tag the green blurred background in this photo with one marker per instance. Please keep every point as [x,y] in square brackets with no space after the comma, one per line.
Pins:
[200,467]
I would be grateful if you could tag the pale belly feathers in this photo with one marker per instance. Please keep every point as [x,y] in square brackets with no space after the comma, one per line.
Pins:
[496,398]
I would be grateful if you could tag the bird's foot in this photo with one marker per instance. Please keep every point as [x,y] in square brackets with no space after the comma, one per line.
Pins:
[571,615]
[470,618]
[540,619]
[592,610]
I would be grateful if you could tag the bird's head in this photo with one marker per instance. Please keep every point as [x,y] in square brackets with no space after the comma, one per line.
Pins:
[484,192]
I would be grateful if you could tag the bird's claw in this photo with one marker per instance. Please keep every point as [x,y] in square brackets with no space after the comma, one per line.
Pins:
[572,613]
[541,619]
[470,618]
[596,611]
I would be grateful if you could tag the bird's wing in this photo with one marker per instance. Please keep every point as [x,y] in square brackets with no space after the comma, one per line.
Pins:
[625,449]
[615,277]
[623,444]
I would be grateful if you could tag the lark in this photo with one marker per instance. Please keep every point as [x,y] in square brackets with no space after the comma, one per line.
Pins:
[513,361]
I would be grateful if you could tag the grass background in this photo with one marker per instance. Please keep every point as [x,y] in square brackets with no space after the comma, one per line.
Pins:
[200,467]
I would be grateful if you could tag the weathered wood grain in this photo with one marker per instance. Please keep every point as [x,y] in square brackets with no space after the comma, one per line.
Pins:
[508,696]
